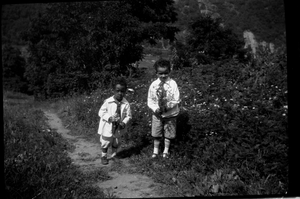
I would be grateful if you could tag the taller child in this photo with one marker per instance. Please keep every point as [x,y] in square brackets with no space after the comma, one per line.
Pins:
[163,100]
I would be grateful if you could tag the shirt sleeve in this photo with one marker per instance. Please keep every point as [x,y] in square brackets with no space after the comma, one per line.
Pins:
[152,99]
[103,112]
[175,97]
[128,114]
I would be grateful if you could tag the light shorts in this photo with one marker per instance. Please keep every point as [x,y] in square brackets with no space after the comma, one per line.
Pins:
[109,141]
[163,127]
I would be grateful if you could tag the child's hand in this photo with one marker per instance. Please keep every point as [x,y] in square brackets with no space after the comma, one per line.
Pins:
[122,125]
[158,112]
[114,118]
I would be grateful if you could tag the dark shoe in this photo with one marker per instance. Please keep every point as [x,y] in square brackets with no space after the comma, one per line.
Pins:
[104,160]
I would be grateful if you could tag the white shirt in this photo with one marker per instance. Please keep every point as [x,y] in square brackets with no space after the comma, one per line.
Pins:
[107,110]
[172,97]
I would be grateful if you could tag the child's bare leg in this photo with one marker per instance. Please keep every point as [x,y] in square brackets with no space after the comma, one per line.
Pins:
[156,146]
[170,133]
[157,128]
[114,148]
[104,148]
[104,152]
[167,146]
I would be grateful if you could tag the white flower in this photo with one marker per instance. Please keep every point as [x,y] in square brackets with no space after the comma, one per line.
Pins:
[283,114]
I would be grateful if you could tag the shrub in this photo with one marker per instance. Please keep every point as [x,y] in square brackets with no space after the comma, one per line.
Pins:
[13,66]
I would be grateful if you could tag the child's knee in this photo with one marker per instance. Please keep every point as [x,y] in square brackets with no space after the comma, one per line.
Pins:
[104,150]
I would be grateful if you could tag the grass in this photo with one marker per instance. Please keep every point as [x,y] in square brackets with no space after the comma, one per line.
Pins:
[36,164]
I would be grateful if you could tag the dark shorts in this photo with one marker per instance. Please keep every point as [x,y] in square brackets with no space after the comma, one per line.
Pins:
[163,127]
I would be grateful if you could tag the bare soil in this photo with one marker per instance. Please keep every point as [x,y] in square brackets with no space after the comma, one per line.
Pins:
[87,156]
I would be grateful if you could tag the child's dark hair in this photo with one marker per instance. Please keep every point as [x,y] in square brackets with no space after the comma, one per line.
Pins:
[121,81]
[162,63]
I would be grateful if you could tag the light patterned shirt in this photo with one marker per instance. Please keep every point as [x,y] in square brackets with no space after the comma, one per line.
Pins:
[172,98]
[107,110]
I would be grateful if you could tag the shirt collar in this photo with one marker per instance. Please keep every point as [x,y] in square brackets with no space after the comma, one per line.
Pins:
[112,99]
[168,79]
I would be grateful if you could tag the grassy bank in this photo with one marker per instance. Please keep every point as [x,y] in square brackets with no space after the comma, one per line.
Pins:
[36,164]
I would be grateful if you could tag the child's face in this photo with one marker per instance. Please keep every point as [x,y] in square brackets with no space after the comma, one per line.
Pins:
[120,92]
[163,73]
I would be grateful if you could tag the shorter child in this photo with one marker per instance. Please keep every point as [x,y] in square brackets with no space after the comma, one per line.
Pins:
[115,113]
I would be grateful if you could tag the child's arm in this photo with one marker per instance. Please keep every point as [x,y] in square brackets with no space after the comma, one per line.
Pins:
[103,112]
[127,117]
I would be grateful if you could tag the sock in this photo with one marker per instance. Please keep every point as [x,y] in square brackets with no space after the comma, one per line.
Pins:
[167,145]
[156,146]
[104,154]
[113,151]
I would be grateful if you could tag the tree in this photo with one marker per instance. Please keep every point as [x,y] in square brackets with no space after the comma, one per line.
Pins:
[207,41]
[83,45]
[13,68]
[210,39]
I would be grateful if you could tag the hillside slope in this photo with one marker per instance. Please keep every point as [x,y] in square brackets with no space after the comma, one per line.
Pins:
[265,19]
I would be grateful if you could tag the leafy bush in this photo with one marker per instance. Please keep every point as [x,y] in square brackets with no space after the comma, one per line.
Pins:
[13,66]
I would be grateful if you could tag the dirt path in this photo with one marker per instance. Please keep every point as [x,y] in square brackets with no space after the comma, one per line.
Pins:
[87,156]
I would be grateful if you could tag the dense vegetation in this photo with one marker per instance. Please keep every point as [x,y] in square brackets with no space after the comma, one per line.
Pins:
[36,164]
[72,50]
[232,130]
[13,69]
[16,18]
